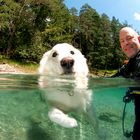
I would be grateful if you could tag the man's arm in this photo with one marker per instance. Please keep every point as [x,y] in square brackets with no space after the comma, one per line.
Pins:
[123,71]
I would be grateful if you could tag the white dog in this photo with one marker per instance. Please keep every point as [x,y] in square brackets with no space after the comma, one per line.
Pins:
[64,59]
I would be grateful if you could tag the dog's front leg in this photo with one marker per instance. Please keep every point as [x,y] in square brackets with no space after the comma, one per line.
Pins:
[61,118]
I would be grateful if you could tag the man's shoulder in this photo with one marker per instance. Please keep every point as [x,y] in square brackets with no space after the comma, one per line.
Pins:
[138,55]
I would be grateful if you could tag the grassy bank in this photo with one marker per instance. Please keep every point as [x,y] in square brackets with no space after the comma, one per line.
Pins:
[19,66]
[25,68]
[103,73]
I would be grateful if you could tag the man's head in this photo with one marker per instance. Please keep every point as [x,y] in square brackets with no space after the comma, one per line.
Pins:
[130,41]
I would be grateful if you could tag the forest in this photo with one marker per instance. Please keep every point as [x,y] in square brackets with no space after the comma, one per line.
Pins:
[28,28]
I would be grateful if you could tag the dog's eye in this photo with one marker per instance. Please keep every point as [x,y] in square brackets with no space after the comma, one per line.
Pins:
[72,52]
[54,54]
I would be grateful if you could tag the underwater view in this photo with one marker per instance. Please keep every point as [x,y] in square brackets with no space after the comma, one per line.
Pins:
[24,112]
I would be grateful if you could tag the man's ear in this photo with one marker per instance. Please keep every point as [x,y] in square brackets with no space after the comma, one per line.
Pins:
[139,38]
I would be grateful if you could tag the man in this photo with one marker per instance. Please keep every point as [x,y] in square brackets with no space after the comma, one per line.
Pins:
[130,45]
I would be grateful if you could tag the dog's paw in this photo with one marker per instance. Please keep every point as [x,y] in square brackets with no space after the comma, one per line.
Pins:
[62,119]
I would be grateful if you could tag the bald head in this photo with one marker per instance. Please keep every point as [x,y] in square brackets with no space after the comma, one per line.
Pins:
[129,30]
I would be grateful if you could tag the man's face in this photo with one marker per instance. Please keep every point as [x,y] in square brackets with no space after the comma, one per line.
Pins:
[129,41]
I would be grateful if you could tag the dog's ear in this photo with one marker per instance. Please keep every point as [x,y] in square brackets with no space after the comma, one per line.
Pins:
[81,67]
[43,62]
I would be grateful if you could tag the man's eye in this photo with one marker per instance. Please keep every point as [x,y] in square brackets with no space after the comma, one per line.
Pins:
[129,38]
[54,54]
[122,41]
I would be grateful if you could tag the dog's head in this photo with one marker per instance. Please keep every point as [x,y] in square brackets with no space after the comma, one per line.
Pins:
[63,59]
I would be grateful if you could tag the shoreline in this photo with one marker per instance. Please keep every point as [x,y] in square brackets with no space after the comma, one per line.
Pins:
[13,69]
[6,68]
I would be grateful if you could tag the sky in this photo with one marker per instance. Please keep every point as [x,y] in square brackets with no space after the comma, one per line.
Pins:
[124,10]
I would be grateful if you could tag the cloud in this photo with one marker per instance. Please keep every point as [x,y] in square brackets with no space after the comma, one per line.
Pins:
[137,16]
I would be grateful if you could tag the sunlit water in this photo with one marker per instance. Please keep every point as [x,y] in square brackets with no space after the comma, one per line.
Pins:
[23,112]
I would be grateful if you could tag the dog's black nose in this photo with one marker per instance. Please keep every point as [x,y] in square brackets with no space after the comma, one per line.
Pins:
[67,62]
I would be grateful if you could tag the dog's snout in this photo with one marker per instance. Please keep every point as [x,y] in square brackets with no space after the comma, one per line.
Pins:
[67,62]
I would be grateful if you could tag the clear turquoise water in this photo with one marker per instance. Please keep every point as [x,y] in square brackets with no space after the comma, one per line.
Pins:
[23,113]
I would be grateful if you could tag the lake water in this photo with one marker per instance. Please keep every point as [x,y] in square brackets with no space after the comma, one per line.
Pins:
[23,113]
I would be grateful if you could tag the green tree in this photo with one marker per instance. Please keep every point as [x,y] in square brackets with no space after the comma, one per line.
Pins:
[105,42]
[59,28]
[8,17]
[118,56]
[88,32]
[21,21]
